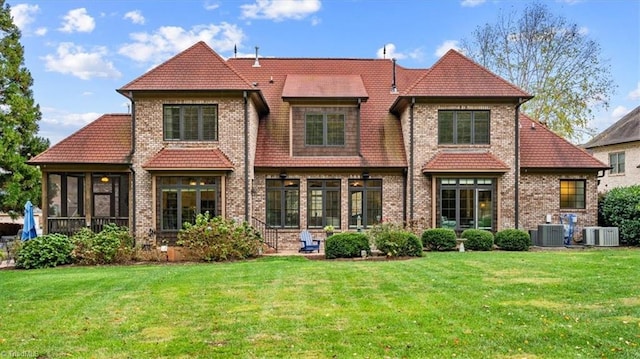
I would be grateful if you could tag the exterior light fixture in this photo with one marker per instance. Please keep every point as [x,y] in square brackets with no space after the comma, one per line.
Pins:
[104,179]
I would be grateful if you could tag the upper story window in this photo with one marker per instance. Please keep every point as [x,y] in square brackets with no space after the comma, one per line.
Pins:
[324,129]
[616,161]
[191,122]
[463,127]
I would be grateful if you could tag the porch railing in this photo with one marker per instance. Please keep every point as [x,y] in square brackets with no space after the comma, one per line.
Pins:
[269,234]
[70,225]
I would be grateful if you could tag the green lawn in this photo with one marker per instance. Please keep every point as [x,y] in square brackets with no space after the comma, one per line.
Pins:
[548,304]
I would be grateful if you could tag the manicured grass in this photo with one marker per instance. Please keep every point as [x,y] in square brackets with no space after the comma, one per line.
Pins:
[550,304]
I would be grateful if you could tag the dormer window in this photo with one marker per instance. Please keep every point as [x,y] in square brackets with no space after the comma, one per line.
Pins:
[190,122]
[324,129]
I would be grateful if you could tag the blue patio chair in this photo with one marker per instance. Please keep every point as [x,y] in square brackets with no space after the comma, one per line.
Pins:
[307,243]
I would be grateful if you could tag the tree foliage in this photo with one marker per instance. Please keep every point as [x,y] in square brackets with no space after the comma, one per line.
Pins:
[19,116]
[551,59]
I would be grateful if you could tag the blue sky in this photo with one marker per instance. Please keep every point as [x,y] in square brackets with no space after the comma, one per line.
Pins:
[79,52]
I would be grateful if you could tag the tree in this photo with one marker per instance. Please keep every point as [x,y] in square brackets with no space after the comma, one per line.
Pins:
[19,116]
[551,59]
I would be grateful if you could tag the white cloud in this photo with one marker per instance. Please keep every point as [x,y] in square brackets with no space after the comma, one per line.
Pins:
[392,53]
[618,112]
[135,16]
[57,117]
[77,20]
[446,46]
[211,6]
[169,40]
[280,10]
[24,14]
[74,60]
[471,3]
[635,94]
[41,31]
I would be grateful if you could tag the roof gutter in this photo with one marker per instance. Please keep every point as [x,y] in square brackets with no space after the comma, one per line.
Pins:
[411,159]
[246,155]
[132,181]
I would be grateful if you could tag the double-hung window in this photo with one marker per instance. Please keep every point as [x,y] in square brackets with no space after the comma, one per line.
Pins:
[191,122]
[323,203]
[463,127]
[283,203]
[616,161]
[324,129]
[572,194]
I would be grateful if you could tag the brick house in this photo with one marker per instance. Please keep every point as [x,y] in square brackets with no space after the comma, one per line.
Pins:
[301,143]
[619,146]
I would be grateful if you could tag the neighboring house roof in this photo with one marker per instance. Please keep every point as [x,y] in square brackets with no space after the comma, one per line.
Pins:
[196,68]
[189,159]
[540,148]
[626,129]
[106,140]
[324,86]
[464,162]
[381,138]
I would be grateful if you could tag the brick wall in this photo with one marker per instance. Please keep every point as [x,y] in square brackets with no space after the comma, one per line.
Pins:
[149,141]
[540,195]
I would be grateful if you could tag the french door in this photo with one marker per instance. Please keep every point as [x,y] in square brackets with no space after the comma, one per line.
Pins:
[466,203]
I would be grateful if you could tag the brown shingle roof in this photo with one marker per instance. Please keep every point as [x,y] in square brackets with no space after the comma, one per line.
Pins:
[542,149]
[626,129]
[380,132]
[464,162]
[324,86]
[455,75]
[196,68]
[189,159]
[106,140]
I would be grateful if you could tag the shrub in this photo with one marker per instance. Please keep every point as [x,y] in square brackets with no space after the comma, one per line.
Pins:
[111,245]
[399,243]
[346,245]
[219,239]
[46,251]
[513,240]
[439,239]
[621,208]
[478,239]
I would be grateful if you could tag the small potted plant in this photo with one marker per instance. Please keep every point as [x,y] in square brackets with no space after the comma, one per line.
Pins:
[329,230]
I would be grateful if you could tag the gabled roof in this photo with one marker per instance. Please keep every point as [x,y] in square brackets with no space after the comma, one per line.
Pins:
[189,159]
[540,148]
[196,68]
[455,75]
[464,162]
[381,138]
[324,86]
[106,140]
[626,129]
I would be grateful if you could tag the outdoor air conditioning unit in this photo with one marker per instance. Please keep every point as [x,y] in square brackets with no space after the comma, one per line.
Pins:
[608,237]
[590,235]
[533,234]
[551,235]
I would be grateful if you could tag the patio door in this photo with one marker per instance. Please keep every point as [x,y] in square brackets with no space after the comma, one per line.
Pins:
[466,203]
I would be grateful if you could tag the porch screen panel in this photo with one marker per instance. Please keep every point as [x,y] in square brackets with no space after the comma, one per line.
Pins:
[54,195]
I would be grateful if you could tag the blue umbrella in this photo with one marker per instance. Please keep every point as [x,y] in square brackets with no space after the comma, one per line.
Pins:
[29,229]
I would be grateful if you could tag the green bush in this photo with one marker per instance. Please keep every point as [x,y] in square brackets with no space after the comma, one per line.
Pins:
[399,243]
[111,245]
[46,251]
[439,239]
[346,245]
[478,239]
[219,239]
[513,240]
[621,208]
